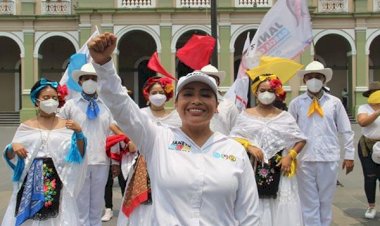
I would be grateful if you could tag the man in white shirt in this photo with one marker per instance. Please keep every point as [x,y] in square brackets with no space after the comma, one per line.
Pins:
[225,118]
[321,117]
[95,119]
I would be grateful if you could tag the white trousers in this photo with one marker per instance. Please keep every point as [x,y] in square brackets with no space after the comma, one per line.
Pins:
[91,198]
[317,185]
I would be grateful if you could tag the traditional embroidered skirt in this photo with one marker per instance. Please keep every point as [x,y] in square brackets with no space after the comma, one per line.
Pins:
[268,177]
[51,190]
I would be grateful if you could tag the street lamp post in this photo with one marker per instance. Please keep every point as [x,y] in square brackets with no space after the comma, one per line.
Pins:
[214,32]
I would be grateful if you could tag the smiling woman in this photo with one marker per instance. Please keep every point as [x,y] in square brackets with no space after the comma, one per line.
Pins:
[196,103]
[187,180]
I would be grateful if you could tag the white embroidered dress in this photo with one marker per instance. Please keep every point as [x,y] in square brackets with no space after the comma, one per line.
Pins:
[272,135]
[53,144]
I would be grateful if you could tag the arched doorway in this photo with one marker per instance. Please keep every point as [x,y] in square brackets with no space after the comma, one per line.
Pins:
[181,68]
[54,55]
[135,49]
[10,79]
[340,61]
[374,60]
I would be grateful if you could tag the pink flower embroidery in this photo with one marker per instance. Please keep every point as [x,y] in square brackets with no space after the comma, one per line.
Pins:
[263,172]
[53,183]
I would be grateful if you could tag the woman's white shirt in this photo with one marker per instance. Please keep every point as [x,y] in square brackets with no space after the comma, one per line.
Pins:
[371,131]
[209,185]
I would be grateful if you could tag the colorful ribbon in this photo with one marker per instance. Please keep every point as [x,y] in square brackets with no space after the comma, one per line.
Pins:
[92,108]
[259,79]
[43,83]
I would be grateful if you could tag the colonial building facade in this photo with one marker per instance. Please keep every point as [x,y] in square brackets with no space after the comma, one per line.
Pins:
[37,37]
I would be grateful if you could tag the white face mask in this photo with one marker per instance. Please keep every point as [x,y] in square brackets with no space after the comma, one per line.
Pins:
[48,106]
[314,85]
[89,86]
[266,97]
[157,99]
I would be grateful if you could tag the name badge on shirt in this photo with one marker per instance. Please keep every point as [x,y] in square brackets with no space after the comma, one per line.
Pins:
[180,146]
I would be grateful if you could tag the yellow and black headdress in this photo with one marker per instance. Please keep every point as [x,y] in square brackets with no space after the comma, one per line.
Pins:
[275,70]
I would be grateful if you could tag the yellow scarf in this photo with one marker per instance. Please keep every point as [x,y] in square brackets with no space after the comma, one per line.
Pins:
[315,107]
[374,98]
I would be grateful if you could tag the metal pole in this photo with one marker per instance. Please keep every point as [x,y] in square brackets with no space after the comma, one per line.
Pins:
[214,32]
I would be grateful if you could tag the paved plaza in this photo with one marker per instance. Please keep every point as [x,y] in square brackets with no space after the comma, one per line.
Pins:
[349,203]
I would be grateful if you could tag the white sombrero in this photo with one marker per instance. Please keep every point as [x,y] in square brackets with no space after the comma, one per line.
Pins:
[211,70]
[86,69]
[316,67]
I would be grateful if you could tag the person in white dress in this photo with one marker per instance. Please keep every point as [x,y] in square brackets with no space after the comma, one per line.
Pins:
[50,165]
[198,177]
[273,138]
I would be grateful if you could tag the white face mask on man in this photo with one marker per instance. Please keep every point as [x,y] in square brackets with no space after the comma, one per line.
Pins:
[48,106]
[314,85]
[89,86]
[157,99]
[266,97]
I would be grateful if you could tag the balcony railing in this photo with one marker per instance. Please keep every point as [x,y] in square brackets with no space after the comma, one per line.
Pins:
[56,8]
[8,8]
[253,3]
[332,6]
[193,4]
[376,5]
[137,3]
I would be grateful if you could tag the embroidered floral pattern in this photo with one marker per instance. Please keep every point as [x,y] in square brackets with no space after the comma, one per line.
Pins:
[268,177]
[264,174]
[50,185]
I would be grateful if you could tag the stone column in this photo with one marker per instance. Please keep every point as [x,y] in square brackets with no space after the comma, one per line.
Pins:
[360,81]
[28,75]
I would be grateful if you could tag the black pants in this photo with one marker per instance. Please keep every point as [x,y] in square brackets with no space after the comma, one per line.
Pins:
[371,173]
[108,191]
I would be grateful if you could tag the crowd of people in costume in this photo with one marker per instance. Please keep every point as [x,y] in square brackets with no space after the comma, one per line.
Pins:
[202,163]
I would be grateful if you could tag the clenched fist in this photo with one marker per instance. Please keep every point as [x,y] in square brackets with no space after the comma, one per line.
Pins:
[101,47]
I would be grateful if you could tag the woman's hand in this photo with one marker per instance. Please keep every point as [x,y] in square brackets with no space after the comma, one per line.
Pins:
[285,164]
[256,152]
[132,147]
[71,124]
[20,150]
[101,47]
